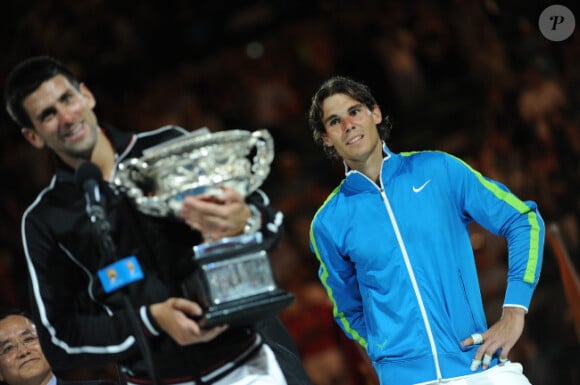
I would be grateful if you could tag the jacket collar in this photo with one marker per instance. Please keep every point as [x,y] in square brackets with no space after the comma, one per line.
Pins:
[359,182]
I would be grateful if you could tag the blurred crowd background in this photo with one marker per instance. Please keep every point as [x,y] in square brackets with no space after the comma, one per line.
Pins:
[475,78]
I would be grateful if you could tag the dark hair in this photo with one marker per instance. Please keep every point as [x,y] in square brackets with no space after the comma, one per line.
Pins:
[25,78]
[352,88]
[5,312]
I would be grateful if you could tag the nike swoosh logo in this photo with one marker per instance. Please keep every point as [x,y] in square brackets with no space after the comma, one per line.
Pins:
[417,189]
[383,345]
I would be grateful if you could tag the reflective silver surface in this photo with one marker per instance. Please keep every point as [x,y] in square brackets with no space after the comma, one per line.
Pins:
[239,277]
[196,164]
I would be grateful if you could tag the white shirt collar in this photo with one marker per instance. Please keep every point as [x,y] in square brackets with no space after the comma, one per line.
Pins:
[52,380]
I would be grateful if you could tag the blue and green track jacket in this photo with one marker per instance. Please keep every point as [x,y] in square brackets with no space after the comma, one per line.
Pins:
[398,264]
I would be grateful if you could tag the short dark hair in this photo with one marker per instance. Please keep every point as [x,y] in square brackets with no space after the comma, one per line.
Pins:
[25,78]
[342,85]
[8,311]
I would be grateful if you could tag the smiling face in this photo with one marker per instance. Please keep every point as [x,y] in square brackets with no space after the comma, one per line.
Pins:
[351,128]
[63,119]
[22,361]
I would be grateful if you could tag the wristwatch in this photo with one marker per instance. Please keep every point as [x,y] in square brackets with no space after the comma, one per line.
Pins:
[254,222]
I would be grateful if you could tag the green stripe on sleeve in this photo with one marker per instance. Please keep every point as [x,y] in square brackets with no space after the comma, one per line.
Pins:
[522,208]
[324,278]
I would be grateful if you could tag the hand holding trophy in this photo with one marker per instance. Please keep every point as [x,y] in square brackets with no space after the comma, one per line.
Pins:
[233,279]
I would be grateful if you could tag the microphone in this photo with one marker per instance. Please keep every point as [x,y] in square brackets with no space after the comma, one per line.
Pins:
[127,270]
[87,178]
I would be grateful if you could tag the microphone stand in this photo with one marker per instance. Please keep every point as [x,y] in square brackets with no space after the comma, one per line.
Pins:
[107,249]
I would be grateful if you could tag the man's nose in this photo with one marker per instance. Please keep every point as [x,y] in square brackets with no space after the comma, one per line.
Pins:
[347,123]
[66,115]
[22,349]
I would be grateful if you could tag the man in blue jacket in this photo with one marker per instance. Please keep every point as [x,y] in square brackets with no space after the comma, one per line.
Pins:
[395,252]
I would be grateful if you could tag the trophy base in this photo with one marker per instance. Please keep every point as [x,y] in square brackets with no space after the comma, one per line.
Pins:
[233,282]
[246,311]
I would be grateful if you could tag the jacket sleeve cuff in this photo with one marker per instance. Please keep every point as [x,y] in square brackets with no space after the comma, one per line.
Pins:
[518,294]
[151,327]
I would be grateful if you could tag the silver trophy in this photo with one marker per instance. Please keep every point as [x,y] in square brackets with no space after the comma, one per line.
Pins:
[233,279]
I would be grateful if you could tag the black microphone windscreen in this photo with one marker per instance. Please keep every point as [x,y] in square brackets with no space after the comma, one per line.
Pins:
[87,171]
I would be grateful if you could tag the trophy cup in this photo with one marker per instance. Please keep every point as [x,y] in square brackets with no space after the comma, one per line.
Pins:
[233,279]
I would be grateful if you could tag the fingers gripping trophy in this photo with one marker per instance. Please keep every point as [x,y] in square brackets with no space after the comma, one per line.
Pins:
[233,278]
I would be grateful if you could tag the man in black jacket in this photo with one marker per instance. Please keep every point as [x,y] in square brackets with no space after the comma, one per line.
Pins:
[22,361]
[78,320]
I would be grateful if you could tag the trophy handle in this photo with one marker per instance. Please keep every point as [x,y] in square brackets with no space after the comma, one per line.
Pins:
[134,167]
[264,143]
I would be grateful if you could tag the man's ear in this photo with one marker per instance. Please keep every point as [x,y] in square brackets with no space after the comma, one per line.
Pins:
[376,114]
[88,95]
[32,137]
[325,140]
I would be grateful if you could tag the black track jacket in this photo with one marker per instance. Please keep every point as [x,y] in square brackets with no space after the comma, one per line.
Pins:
[80,325]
